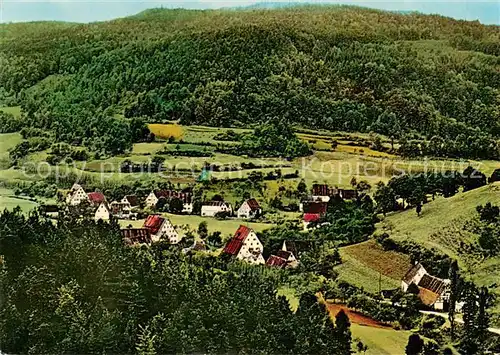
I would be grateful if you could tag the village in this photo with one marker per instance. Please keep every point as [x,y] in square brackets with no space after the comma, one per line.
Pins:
[244,245]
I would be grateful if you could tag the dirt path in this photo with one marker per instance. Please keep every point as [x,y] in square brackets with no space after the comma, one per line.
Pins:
[355,317]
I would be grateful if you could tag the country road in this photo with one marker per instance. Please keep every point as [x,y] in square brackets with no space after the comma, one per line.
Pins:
[458,320]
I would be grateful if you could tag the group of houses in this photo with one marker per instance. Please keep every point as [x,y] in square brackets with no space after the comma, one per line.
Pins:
[315,206]
[123,209]
[246,246]
[433,291]
[127,207]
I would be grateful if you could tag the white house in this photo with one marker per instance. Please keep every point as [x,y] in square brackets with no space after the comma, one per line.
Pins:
[432,291]
[185,197]
[245,246]
[102,212]
[76,195]
[161,228]
[249,209]
[211,208]
[131,200]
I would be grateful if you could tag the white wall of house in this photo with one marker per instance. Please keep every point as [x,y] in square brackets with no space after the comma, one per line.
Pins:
[250,248]
[151,200]
[102,213]
[416,280]
[246,212]
[77,196]
[168,232]
[320,198]
[211,211]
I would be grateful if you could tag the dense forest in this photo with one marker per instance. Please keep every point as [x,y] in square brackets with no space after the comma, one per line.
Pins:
[418,77]
[75,287]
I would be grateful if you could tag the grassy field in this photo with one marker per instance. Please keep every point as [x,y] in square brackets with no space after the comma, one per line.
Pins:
[381,341]
[363,275]
[441,226]
[438,215]
[14,110]
[9,201]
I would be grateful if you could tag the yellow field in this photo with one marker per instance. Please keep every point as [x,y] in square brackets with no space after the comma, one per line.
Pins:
[166,131]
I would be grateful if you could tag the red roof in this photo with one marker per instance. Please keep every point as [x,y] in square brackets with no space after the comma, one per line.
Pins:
[315,207]
[253,204]
[153,223]
[312,217]
[284,254]
[234,245]
[276,261]
[96,197]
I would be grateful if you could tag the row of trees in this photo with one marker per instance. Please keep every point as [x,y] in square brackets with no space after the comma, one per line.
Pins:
[413,189]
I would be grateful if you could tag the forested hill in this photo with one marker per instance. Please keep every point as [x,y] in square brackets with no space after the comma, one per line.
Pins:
[319,67]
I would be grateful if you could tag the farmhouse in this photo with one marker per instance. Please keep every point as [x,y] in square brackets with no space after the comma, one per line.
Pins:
[313,211]
[432,291]
[245,246]
[211,208]
[76,195]
[322,193]
[133,236]
[161,228]
[122,210]
[249,209]
[185,197]
[102,212]
[131,200]
[283,259]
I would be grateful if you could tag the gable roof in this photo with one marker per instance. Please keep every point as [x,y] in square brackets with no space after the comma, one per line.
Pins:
[153,223]
[96,197]
[276,261]
[133,200]
[284,254]
[214,203]
[427,296]
[253,204]
[298,246]
[136,235]
[410,275]
[433,284]
[234,245]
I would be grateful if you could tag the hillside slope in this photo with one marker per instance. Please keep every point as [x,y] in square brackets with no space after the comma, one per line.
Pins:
[442,226]
[320,67]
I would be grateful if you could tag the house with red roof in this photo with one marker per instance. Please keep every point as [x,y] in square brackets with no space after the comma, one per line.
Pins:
[313,211]
[432,291]
[245,245]
[161,228]
[249,209]
[185,197]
